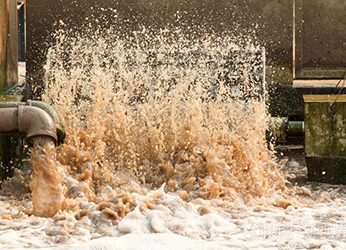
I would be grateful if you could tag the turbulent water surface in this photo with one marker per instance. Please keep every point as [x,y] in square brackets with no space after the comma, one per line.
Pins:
[165,149]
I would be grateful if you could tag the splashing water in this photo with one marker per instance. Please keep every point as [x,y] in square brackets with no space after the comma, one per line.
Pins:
[165,143]
[163,109]
[47,197]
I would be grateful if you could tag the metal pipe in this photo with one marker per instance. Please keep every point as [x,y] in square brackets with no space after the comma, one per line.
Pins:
[280,128]
[27,120]
[60,130]
[56,118]
[295,128]
[9,120]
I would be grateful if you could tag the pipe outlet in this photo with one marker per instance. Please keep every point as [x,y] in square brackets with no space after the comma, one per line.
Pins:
[60,130]
[27,120]
[34,121]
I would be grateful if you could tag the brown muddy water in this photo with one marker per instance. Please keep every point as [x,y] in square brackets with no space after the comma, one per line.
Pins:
[164,150]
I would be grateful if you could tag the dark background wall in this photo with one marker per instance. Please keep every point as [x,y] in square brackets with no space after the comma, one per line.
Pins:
[321,38]
[319,30]
[324,34]
[270,20]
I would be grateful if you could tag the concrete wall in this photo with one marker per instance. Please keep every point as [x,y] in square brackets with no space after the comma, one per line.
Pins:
[321,38]
[271,20]
[319,31]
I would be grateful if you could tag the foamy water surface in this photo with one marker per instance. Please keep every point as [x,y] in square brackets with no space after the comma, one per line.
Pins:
[165,149]
[176,224]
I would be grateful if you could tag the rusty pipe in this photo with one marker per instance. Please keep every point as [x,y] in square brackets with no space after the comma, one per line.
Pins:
[28,121]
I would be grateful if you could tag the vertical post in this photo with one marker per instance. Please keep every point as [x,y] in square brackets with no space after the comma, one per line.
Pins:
[8,76]
[294,41]
[12,49]
[8,43]
[21,31]
[298,38]
[3,41]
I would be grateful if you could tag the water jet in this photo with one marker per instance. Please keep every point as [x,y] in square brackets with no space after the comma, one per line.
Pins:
[31,123]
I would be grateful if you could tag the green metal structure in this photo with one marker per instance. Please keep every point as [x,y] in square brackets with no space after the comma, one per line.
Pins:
[325,138]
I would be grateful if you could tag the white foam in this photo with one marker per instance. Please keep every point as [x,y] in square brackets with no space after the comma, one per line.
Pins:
[176,224]
[167,241]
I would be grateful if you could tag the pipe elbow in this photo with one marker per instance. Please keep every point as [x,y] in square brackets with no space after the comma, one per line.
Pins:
[34,121]
[60,130]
